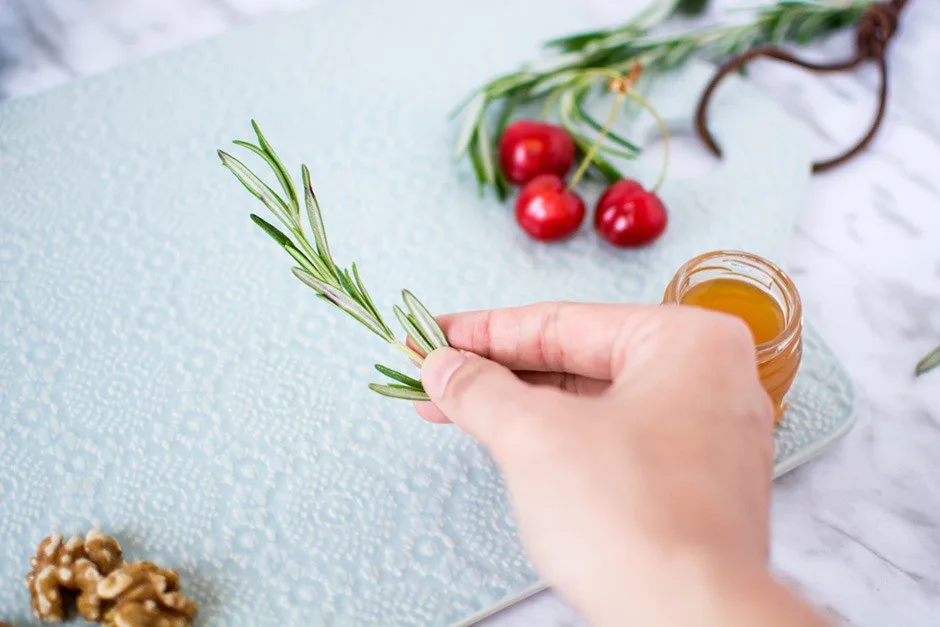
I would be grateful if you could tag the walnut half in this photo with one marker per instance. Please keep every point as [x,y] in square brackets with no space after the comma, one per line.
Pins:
[105,588]
[145,595]
[51,581]
[65,570]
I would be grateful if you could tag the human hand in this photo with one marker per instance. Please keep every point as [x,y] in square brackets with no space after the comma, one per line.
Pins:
[636,445]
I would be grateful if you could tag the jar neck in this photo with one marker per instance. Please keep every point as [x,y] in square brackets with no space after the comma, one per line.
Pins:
[752,269]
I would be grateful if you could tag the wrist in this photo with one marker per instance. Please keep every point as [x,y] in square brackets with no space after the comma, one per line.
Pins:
[696,589]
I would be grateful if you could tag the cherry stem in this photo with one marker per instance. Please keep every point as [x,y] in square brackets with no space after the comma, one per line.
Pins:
[589,156]
[665,133]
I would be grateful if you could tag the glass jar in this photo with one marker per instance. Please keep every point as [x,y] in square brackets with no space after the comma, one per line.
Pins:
[778,359]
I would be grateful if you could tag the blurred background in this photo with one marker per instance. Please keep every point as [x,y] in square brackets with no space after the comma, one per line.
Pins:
[44,43]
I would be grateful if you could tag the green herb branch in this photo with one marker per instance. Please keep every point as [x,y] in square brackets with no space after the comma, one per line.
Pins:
[316,267]
[585,60]
[930,361]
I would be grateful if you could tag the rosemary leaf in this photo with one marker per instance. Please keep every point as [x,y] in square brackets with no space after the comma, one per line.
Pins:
[424,320]
[780,31]
[509,106]
[507,83]
[257,187]
[616,152]
[343,301]
[346,283]
[575,42]
[929,362]
[367,299]
[503,188]
[316,223]
[808,28]
[307,263]
[279,170]
[597,126]
[311,264]
[474,113]
[282,176]
[692,7]
[552,82]
[271,230]
[477,162]
[411,328]
[398,376]
[402,392]
[485,147]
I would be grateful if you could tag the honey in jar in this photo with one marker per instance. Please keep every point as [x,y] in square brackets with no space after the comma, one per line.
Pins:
[759,293]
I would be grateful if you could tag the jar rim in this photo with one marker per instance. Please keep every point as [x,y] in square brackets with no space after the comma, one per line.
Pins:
[793,310]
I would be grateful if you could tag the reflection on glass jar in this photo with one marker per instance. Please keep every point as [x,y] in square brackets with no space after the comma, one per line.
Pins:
[761,294]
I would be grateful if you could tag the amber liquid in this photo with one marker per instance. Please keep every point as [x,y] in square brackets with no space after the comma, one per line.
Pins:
[759,310]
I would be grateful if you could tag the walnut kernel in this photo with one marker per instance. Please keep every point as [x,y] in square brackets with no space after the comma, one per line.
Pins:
[145,595]
[103,551]
[51,581]
[65,570]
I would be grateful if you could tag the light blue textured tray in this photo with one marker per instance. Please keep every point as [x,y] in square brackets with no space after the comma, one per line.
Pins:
[164,378]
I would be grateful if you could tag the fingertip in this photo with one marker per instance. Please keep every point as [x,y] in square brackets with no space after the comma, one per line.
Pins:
[431,413]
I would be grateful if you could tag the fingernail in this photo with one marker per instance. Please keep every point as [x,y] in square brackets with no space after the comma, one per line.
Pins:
[438,368]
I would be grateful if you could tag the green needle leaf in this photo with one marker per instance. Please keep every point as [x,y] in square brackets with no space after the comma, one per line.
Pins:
[505,84]
[271,230]
[597,126]
[313,266]
[281,176]
[257,187]
[398,376]
[316,222]
[424,320]
[576,41]
[279,170]
[478,169]
[343,301]
[485,147]
[413,331]
[472,117]
[370,305]
[929,362]
[402,392]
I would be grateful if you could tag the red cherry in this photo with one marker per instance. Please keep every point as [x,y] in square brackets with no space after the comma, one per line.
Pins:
[547,210]
[528,149]
[627,215]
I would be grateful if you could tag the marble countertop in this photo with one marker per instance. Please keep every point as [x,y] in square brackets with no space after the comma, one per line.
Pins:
[857,530]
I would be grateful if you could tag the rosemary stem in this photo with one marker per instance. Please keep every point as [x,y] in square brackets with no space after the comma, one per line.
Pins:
[412,355]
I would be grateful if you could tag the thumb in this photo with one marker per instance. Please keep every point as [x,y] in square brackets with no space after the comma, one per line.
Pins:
[482,397]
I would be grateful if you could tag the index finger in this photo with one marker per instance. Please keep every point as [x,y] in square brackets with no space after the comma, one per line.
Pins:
[577,338]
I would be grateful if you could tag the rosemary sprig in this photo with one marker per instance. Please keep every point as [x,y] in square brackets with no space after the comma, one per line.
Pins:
[930,361]
[585,60]
[316,268]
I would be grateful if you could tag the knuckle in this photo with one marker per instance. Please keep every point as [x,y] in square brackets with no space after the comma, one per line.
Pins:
[549,350]
[481,333]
